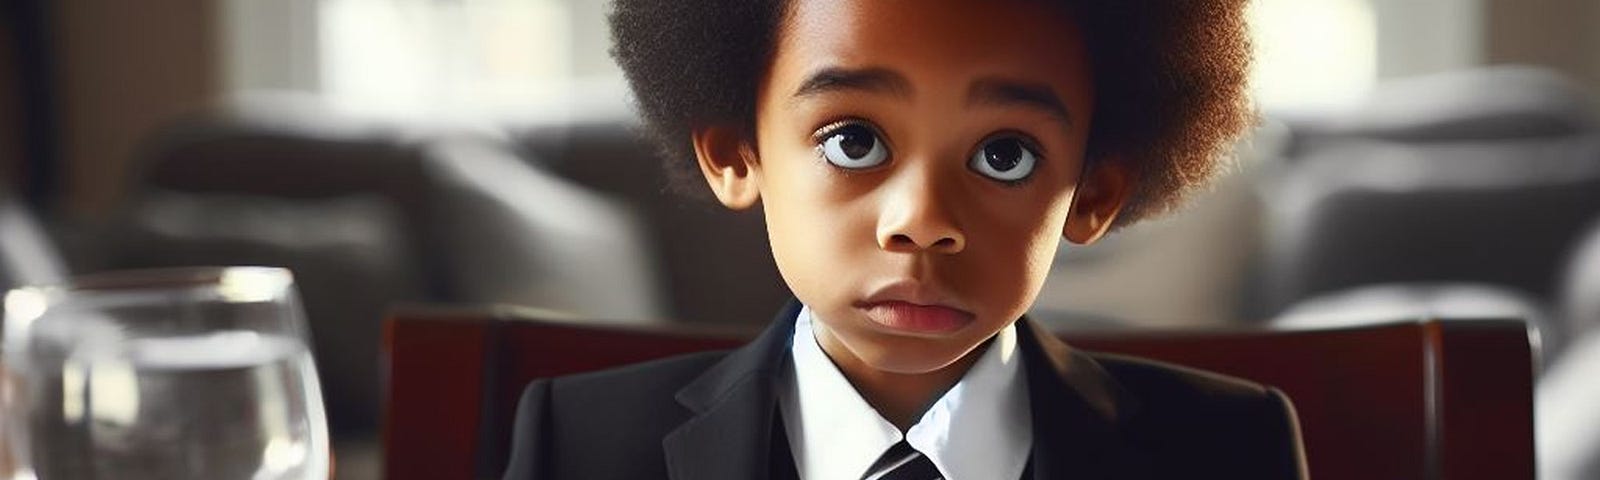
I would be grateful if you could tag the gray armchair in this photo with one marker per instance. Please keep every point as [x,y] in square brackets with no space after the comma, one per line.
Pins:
[1438,179]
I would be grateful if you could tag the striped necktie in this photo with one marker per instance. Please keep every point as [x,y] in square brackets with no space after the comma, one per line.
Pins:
[901,462]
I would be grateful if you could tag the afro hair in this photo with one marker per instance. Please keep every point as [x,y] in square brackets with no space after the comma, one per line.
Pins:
[1170,79]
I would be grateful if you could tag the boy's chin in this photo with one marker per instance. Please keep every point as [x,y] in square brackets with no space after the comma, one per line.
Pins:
[898,357]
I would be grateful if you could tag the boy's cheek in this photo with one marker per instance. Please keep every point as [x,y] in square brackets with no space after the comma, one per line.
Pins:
[1002,278]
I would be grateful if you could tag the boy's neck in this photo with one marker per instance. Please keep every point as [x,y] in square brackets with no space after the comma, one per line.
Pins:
[900,398]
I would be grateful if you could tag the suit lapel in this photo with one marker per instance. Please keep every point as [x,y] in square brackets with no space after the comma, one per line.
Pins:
[735,408]
[1077,413]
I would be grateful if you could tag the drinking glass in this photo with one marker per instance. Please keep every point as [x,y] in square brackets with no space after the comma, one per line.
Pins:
[198,373]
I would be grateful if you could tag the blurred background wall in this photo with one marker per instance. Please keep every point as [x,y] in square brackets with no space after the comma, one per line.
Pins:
[122,67]
[1559,34]
[10,102]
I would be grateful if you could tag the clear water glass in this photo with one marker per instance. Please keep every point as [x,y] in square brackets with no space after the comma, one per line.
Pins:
[164,374]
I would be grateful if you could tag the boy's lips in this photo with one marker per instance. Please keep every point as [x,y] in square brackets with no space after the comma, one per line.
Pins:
[910,306]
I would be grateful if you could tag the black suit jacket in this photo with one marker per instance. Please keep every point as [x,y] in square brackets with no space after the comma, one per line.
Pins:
[715,416]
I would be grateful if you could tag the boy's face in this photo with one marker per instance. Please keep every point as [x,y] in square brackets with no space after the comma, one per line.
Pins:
[917,161]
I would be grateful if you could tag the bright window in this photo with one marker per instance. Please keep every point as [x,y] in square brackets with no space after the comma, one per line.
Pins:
[1312,54]
[429,58]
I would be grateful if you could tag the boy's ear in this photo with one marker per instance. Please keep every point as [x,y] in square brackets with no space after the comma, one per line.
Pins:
[1101,194]
[728,161]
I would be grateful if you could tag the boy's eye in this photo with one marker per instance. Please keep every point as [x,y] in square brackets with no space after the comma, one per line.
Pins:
[1004,159]
[854,146]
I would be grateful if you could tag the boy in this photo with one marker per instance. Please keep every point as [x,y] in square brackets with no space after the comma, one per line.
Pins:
[918,162]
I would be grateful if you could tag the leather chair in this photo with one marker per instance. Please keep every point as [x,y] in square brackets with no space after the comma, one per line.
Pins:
[1410,399]
[1388,301]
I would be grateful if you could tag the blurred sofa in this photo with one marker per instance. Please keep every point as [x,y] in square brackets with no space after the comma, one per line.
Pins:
[367,215]
[1479,179]
[712,265]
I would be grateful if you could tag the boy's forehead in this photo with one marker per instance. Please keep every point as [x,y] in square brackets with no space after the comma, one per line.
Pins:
[961,26]
[931,42]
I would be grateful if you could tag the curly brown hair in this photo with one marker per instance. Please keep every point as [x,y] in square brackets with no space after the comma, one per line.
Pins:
[1170,80]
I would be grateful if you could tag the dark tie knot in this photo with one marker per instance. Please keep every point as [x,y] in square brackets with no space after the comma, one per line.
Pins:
[901,462]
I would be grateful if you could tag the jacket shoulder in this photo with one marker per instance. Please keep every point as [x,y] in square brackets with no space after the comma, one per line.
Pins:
[576,426]
[1166,381]
[1197,420]
[630,384]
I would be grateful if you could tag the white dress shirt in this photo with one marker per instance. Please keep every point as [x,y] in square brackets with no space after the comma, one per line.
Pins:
[981,429]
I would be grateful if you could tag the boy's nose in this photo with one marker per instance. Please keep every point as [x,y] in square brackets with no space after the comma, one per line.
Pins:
[914,218]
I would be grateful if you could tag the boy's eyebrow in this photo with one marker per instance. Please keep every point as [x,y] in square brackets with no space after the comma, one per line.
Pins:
[1004,91]
[872,79]
[984,91]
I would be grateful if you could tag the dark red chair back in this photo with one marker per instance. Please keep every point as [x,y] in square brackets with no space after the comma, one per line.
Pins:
[1431,399]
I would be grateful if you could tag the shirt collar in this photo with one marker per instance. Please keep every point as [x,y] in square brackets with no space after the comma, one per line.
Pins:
[980,429]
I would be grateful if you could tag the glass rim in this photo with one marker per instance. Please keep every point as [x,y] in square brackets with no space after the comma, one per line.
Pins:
[164,278]
[251,281]
[227,284]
